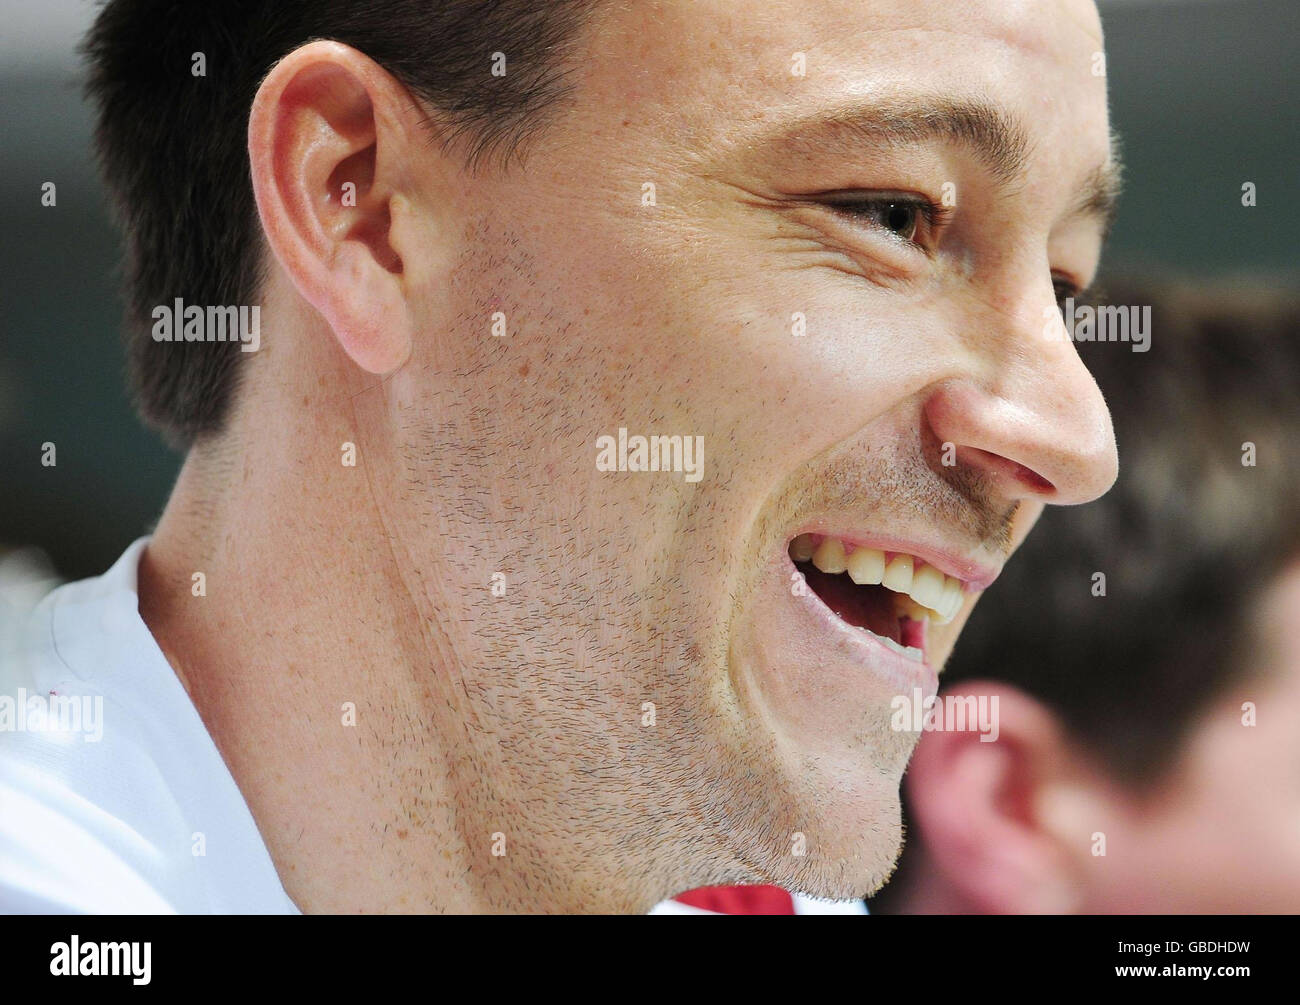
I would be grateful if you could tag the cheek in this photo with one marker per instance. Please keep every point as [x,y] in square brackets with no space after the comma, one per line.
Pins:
[771,355]
[782,367]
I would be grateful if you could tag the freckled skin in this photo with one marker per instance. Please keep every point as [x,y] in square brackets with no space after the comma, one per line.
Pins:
[522,715]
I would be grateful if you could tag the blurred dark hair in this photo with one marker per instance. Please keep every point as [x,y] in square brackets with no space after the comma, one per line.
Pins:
[173,146]
[1188,539]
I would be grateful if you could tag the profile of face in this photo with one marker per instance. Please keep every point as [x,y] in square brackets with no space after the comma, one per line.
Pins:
[819,243]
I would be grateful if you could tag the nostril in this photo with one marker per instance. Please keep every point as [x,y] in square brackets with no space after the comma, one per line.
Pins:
[1032,478]
[1008,468]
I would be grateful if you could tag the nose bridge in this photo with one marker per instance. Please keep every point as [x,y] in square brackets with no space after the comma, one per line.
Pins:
[1045,377]
[1028,411]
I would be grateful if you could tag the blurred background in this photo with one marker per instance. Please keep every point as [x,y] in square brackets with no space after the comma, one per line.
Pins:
[1204,93]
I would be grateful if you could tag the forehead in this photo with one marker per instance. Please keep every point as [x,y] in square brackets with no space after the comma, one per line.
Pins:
[719,73]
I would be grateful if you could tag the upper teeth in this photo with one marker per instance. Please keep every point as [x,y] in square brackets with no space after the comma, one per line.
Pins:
[941,596]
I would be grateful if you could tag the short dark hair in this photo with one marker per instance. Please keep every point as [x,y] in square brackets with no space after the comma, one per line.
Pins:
[1188,539]
[173,145]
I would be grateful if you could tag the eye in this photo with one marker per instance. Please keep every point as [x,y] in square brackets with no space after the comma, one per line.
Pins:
[1064,291]
[907,218]
[899,218]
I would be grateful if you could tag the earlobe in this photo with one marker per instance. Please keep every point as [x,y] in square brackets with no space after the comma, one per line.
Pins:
[324,152]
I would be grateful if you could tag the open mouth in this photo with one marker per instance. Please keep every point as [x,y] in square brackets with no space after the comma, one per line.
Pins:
[891,596]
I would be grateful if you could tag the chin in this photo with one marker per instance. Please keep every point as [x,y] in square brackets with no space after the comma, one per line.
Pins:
[851,849]
[823,823]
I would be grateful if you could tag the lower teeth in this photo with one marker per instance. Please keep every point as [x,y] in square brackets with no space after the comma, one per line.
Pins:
[911,652]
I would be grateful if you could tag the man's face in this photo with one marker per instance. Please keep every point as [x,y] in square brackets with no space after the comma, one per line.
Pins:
[903,181]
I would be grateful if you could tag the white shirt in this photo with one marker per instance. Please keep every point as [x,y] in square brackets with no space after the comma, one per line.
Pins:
[127,807]
[133,810]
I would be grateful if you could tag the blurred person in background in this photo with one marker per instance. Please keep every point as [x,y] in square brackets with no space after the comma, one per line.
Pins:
[1147,757]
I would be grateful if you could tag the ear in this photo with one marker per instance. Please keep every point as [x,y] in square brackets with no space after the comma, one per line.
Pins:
[985,811]
[329,138]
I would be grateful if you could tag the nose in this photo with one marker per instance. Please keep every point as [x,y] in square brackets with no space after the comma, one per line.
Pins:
[1027,414]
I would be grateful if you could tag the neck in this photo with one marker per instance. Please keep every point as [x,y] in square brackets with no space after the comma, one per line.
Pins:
[384,719]
[332,698]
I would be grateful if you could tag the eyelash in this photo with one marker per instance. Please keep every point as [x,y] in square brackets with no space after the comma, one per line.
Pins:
[936,217]
[1065,289]
[857,208]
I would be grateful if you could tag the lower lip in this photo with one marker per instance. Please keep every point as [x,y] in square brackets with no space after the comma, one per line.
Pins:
[898,671]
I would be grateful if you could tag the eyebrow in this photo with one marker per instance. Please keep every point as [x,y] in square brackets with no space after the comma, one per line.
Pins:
[1100,193]
[995,137]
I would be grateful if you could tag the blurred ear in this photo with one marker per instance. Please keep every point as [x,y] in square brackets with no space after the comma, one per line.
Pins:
[991,816]
[330,136]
